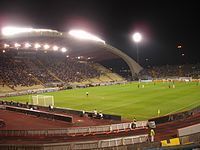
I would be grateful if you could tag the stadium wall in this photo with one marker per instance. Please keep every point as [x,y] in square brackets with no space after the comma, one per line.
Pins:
[125,143]
[59,109]
[73,131]
[176,116]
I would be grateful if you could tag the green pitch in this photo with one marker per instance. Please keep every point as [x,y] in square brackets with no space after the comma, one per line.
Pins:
[128,100]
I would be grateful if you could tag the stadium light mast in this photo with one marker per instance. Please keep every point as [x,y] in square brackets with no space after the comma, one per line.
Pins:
[137,37]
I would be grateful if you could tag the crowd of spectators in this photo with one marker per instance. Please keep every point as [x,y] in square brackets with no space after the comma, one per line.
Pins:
[28,70]
[14,72]
[187,70]
[41,69]
[70,70]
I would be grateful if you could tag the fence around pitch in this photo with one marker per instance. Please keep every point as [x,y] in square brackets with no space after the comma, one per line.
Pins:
[70,131]
[42,114]
[123,141]
[62,110]
[97,144]
[193,129]
[131,142]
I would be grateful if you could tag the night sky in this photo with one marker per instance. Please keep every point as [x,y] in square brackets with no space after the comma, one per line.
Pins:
[163,24]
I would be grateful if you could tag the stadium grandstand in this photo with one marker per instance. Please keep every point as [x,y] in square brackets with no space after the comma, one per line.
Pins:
[45,61]
[185,70]
[42,56]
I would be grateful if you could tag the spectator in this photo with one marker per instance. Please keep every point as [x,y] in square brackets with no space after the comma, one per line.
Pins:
[152,134]
[87,93]
[100,115]
[95,113]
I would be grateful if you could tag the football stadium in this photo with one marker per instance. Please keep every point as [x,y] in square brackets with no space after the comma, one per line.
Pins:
[99,75]
[58,91]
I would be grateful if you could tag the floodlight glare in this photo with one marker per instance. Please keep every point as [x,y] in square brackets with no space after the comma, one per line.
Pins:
[137,37]
[14,30]
[27,45]
[9,30]
[37,45]
[17,45]
[55,48]
[179,46]
[83,35]
[63,49]
[46,46]
[6,45]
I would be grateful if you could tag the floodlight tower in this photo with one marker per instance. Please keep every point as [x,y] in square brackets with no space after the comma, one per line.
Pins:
[137,37]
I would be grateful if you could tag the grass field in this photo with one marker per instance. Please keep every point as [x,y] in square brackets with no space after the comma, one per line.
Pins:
[128,100]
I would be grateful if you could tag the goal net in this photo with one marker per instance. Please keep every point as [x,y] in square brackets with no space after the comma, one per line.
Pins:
[43,100]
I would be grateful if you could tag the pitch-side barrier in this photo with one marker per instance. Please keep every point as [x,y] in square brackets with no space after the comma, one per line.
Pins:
[104,129]
[96,144]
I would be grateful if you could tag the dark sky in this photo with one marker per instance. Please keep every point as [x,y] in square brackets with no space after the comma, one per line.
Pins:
[163,24]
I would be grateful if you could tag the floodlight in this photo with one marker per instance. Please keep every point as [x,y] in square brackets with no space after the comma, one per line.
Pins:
[27,45]
[79,57]
[63,49]
[17,45]
[4,51]
[83,35]
[137,37]
[179,46]
[6,45]
[7,31]
[37,45]
[67,56]
[55,48]
[46,46]
[10,30]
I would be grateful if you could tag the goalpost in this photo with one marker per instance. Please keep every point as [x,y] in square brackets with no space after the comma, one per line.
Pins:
[42,100]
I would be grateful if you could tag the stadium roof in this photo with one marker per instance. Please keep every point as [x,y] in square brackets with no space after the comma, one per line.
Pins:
[41,39]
